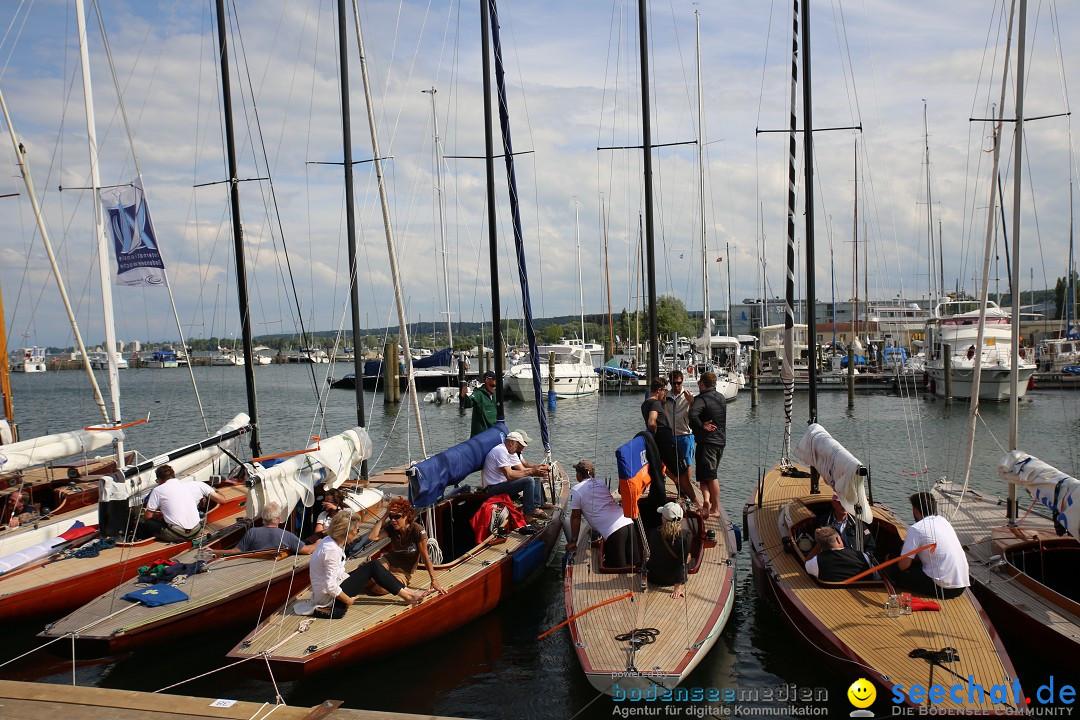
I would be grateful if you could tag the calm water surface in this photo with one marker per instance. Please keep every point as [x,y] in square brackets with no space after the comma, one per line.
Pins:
[495,667]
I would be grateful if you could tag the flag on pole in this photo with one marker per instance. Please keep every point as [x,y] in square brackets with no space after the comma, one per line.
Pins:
[135,249]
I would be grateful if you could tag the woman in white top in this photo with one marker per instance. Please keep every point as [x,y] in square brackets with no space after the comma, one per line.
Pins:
[332,589]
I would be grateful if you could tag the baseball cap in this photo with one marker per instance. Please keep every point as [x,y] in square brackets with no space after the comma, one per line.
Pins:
[519,436]
[670,511]
[585,466]
[489,374]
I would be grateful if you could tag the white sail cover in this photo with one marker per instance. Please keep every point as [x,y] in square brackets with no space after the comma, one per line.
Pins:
[49,448]
[1051,487]
[196,466]
[838,467]
[6,436]
[294,480]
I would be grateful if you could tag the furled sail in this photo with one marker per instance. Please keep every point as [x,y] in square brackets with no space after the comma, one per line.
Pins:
[49,448]
[428,479]
[1051,487]
[117,487]
[838,467]
[293,481]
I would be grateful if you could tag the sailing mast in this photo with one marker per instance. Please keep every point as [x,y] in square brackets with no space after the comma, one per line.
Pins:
[398,300]
[442,222]
[808,194]
[787,369]
[99,231]
[5,382]
[493,229]
[350,220]
[646,147]
[707,332]
[1014,364]
[580,291]
[24,165]
[238,232]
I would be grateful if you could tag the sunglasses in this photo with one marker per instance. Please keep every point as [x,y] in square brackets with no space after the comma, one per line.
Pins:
[394,516]
[676,382]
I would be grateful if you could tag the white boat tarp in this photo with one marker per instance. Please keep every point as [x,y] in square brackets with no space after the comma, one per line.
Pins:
[295,479]
[1051,487]
[838,467]
[6,436]
[49,448]
[136,486]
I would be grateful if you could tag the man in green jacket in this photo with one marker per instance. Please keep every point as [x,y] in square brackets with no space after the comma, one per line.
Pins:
[482,401]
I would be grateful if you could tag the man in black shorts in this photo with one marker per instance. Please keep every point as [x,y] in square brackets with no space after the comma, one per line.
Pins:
[659,411]
[708,419]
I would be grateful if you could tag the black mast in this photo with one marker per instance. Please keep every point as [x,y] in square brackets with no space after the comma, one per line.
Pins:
[238,232]
[350,220]
[646,145]
[493,245]
[808,163]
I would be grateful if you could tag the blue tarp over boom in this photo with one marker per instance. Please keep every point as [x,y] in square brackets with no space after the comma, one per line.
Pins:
[428,479]
[443,358]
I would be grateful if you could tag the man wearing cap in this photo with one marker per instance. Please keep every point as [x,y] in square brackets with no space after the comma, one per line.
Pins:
[482,402]
[591,498]
[507,473]
[669,550]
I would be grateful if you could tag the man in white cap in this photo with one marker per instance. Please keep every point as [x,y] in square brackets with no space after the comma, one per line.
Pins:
[507,473]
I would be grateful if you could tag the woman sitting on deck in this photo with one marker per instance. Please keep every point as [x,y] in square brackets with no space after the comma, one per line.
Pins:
[408,545]
[669,550]
[332,589]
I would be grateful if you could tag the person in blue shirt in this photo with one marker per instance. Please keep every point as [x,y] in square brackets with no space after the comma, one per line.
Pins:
[268,536]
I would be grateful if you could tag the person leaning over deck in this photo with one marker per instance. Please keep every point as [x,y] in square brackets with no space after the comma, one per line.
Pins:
[506,472]
[942,573]
[669,550]
[408,544]
[482,402]
[172,508]
[591,498]
[268,536]
[832,561]
[332,589]
[658,410]
[708,418]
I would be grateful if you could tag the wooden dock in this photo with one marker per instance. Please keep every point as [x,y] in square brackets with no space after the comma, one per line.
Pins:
[41,701]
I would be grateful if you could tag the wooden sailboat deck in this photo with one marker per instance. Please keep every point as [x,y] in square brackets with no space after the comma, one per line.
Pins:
[281,636]
[687,627]
[852,619]
[980,524]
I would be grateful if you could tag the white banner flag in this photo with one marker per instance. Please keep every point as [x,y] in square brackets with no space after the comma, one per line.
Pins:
[135,250]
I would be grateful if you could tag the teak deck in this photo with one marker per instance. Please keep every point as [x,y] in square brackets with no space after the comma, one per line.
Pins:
[849,626]
[688,627]
[1044,619]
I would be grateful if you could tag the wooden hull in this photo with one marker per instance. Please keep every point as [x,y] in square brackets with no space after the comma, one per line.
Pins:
[1034,619]
[475,585]
[49,590]
[846,625]
[688,629]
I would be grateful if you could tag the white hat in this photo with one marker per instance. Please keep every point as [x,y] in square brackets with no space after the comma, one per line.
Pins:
[671,511]
[520,437]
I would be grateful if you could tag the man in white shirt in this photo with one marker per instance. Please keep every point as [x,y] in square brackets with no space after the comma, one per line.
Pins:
[172,508]
[591,498]
[506,472]
[942,572]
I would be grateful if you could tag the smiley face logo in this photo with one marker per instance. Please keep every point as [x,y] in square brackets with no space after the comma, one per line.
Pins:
[862,693]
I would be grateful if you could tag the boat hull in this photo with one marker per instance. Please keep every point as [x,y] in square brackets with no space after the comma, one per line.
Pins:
[521,386]
[994,383]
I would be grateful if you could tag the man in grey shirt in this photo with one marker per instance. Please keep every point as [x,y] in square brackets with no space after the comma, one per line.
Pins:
[269,536]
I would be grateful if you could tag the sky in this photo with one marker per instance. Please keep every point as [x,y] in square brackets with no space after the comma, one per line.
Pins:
[572,74]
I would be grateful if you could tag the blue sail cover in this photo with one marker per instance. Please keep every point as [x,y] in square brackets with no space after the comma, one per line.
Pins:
[428,479]
[443,358]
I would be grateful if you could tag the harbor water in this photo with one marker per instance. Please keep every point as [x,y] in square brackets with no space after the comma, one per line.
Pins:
[495,667]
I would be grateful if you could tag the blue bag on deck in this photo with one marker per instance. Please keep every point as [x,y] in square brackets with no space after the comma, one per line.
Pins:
[157,595]
[428,479]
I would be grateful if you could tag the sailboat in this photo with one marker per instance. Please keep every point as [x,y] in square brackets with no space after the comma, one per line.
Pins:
[844,624]
[235,588]
[1023,569]
[477,570]
[614,653]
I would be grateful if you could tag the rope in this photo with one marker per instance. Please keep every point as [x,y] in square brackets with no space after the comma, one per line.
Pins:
[211,672]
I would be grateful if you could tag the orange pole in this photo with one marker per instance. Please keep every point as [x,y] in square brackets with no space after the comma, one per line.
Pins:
[931,547]
[291,453]
[575,616]
[105,428]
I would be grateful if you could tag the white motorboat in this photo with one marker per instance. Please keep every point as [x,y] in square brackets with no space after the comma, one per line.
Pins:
[574,373]
[100,361]
[30,360]
[227,358]
[955,326]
